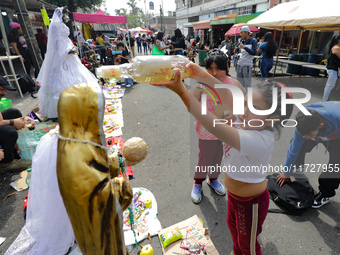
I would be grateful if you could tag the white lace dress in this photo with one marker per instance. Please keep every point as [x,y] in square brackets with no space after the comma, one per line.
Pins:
[60,70]
[48,230]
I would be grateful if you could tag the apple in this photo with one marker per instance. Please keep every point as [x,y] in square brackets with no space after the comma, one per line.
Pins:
[147,250]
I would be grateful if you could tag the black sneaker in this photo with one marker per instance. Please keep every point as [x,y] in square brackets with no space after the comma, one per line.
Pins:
[320,200]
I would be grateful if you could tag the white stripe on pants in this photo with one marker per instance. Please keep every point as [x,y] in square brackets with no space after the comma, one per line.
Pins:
[254,229]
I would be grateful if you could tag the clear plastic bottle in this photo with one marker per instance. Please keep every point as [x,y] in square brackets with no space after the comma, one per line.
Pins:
[146,69]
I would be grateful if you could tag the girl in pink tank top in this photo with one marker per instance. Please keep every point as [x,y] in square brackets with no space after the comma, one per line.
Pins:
[210,148]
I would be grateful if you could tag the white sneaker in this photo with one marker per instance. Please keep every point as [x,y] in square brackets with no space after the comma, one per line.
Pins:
[320,200]
[217,187]
[15,165]
[128,86]
[196,194]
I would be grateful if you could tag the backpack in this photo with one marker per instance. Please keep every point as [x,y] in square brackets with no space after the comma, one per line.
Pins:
[26,83]
[293,197]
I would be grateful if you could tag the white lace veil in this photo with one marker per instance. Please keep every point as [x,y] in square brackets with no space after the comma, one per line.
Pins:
[58,46]
[48,230]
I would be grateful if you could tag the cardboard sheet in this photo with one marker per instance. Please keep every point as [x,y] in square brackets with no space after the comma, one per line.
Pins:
[186,229]
[20,184]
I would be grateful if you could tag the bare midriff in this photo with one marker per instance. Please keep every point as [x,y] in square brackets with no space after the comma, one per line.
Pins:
[243,189]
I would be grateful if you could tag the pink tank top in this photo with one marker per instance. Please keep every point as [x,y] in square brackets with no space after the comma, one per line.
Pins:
[202,133]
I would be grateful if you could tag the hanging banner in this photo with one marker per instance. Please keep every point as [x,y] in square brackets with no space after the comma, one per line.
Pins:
[151,6]
[104,27]
[45,17]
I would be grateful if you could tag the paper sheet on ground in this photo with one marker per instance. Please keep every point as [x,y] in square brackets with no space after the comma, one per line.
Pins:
[154,224]
[115,93]
[20,184]
[152,221]
[2,239]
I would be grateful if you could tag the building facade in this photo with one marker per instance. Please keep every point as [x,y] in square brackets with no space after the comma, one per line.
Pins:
[155,23]
[193,15]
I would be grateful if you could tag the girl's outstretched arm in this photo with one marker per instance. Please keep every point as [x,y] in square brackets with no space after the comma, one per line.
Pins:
[225,133]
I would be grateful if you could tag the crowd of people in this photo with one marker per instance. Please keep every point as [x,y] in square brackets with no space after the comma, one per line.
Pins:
[239,144]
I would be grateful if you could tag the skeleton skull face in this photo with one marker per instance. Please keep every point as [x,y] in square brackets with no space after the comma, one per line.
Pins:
[66,18]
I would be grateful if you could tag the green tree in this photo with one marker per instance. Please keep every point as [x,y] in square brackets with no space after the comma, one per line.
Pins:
[121,12]
[135,16]
[134,9]
[146,16]
[73,5]
[105,7]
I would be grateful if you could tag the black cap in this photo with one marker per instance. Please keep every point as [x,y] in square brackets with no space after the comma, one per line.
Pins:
[4,84]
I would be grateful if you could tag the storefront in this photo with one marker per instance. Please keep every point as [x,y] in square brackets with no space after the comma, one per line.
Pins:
[107,29]
[220,26]
[202,29]
[188,29]
[246,18]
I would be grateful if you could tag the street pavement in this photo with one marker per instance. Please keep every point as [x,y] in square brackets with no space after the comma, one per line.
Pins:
[158,116]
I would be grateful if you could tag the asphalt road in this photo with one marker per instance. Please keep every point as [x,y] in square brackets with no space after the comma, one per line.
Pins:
[159,116]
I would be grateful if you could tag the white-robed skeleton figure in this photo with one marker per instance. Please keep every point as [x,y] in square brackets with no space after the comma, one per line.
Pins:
[48,229]
[61,68]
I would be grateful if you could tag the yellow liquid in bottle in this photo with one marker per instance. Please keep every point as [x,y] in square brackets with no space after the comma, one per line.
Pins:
[161,75]
[149,69]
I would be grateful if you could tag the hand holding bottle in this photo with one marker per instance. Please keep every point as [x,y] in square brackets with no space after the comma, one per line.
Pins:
[146,69]
[196,72]
[176,85]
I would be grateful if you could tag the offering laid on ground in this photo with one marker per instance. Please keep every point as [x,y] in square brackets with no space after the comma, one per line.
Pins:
[144,219]
[187,237]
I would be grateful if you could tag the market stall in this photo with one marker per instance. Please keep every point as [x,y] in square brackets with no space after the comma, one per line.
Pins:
[100,18]
[136,30]
[146,30]
[236,29]
[302,15]
[202,27]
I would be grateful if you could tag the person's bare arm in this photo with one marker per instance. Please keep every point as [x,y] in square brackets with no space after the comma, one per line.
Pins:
[225,98]
[17,123]
[200,75]
[258,51]
[336,51]
[197,93]
[225,133]
[3,122]
[158,44]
